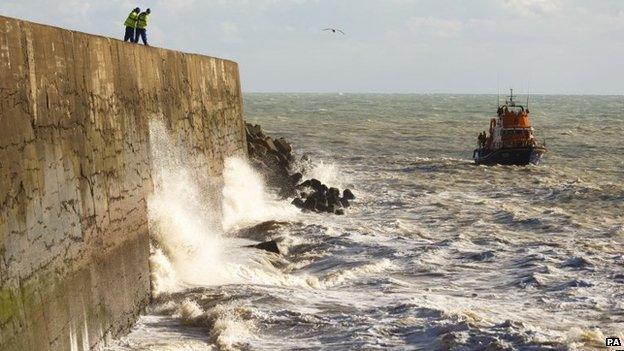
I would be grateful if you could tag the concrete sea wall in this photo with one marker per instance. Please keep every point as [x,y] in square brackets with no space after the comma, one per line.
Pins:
[75,174]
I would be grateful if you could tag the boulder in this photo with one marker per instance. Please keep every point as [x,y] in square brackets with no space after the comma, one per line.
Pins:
[321,193]
[310,203]
[316,184]
[305,184]
[283,161]
[333,196]
[334,201]
[344,202]
[321,207]
[296,178]
[258,164]
[298,202]
[340,212]
[348,194]
[255,129]
[268,143]
[283,146]
[262,150]
[262,231]
[334,192]
[270,246]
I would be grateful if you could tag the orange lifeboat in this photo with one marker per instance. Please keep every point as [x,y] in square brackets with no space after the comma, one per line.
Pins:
[511,139]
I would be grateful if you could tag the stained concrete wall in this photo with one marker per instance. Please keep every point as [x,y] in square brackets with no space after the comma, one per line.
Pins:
[75,174]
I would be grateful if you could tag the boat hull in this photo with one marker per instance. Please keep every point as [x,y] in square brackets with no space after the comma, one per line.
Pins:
[520,156]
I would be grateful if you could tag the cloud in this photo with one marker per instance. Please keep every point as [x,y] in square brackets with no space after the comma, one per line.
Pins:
[436,26]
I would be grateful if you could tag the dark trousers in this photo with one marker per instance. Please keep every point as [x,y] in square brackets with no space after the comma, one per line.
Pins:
[141,32]
[129,34]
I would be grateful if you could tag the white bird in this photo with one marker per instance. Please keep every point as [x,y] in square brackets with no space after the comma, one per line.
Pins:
[334,30]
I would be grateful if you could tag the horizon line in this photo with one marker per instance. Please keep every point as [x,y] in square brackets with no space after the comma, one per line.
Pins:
[432,93]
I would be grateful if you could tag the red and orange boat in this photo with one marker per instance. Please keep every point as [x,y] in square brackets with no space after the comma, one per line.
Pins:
[511,139]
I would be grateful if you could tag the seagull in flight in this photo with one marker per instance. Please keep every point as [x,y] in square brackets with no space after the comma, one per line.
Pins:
[334,30]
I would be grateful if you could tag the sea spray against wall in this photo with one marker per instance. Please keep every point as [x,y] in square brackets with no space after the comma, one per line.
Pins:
[189,229]
[183,223]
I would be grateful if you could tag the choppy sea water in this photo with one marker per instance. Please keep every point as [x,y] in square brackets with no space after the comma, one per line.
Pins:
[435,254]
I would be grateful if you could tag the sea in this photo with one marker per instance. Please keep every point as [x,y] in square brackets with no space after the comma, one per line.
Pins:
[435,253]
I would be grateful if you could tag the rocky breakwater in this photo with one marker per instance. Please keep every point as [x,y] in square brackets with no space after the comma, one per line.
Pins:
[276,161]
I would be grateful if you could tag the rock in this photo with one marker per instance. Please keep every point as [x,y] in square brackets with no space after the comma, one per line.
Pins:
[319,196]
[316,184]
[310,203]
[262,231]
[321,207]
[333,196]
[255,129]
[296,178]
[274,159]
[283,161]
[298,202]
[283,146]
[345,203]
[259,164]
[322,193]
[270,246]
[334,202]
[347,194]
[261,150]
[268,143]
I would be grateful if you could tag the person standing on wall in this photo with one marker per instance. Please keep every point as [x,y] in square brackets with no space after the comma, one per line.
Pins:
[131,23]
[141,27]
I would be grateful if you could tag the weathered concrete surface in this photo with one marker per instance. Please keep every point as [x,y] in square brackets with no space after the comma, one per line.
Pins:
[75,174]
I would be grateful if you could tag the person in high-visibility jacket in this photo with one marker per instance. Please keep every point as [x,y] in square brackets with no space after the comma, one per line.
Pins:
[141,30]
[131,23]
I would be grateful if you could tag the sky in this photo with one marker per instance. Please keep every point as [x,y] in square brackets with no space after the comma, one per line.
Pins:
[390,46]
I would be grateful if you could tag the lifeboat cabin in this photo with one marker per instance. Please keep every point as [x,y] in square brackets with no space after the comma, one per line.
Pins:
[510,140]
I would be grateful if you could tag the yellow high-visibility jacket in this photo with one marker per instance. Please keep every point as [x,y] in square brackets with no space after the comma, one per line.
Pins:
[131,21]
[142,20]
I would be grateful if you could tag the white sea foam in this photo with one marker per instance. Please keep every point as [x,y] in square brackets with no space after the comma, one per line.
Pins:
[162,273]
[189,311]
[182,220]
[228,326]
[328,173]
[245,199]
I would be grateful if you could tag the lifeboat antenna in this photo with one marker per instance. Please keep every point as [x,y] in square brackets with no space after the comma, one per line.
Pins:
[528,93]
[497,89]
